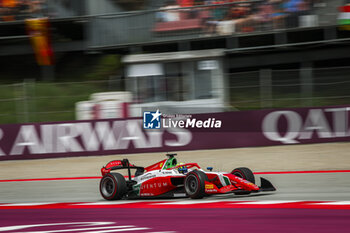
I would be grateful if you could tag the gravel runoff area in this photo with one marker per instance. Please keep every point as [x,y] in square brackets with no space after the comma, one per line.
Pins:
[326,156]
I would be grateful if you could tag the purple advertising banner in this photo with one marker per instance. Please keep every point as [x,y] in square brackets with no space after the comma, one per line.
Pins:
[177,132]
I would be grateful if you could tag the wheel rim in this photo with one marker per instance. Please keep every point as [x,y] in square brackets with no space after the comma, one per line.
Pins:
[191,185]
[107,186]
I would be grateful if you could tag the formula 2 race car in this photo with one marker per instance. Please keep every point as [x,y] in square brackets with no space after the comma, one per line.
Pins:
[167,178]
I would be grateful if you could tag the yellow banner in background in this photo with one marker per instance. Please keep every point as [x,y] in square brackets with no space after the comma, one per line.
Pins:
[38,30]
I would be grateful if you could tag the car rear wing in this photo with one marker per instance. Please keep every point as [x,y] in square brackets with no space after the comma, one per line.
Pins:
[121,164]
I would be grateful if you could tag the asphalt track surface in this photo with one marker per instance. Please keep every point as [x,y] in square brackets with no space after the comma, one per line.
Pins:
[304,187]
[215,216]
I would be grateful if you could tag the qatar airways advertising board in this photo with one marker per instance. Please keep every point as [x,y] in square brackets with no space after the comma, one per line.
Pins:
[158,132]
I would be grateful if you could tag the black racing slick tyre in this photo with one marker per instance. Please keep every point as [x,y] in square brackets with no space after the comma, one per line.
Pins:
[195,184]
[244,173]
[113,186]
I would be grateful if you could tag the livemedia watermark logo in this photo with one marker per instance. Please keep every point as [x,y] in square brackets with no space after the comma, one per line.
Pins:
[156,120]
[151,120]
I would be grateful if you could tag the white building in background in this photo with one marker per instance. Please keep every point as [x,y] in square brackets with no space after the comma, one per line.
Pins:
[176,82]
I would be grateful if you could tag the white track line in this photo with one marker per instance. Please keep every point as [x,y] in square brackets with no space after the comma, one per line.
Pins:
[29,204]
[332,203]
[184,202]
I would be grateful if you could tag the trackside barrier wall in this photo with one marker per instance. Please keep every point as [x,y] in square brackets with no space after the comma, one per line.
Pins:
[123,136]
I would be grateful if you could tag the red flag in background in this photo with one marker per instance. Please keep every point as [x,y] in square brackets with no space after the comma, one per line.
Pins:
[38,30]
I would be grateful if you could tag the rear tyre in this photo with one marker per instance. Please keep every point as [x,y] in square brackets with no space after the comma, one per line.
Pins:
[113,186]
[244,173]
[195,184]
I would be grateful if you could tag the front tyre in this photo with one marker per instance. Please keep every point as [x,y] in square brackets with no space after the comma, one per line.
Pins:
[113,186]
[195,184]
[244,173]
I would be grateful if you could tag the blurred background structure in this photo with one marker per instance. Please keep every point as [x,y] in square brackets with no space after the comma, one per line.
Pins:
[85,59]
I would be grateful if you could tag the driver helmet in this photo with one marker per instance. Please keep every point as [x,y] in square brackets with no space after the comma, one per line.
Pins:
[182,168]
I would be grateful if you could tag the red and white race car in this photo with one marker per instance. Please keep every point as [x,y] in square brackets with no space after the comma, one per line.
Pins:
[167,178]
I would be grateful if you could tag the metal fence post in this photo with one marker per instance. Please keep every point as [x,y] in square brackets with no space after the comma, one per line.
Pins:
[20,90]
[31,91]
[18,99]
[306,83]
[25,102]
[265,76]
